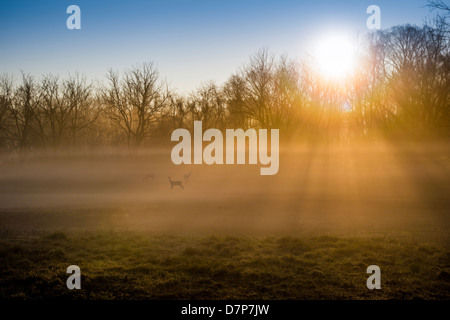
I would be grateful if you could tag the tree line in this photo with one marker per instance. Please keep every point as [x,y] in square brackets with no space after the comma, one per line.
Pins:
[400,89]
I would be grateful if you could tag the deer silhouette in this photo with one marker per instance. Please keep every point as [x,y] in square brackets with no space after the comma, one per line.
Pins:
[175,183]
[148,176]
[187,176]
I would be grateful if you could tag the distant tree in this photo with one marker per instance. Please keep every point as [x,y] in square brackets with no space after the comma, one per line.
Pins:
[405,84]
[180,111]
[135,101]
[258,76]
[79,98]
[25,105]
[6,105]
[52,115]
[287,97]
[234,94]
[265,93]
[60,112]
[208,105]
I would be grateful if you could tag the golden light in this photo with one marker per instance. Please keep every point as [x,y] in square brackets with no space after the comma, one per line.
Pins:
[335,56]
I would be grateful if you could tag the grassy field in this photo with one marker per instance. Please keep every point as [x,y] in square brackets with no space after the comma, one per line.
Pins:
[310,232]
[131,265]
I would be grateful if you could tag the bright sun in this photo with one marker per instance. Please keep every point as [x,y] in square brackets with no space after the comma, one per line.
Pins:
[335,55]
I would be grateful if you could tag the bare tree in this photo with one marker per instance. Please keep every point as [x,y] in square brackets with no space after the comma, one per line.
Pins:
[208,105]
[25,103]
[6,105]
[287,99]
[180,111]
[234,93]
[258,76]
[78,97]
[135,101]
[51,115]
[438,4]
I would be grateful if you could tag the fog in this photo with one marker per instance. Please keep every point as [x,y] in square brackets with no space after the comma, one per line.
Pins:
[357,190]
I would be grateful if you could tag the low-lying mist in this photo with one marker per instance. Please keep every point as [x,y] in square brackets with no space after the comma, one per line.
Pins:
[349,189]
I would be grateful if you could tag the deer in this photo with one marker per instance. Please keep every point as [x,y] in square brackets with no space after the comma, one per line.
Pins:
[148,176]
[175,183]
[187,176]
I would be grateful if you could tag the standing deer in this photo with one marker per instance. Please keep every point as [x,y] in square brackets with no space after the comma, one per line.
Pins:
[148,176]
[175,183]
[187,176]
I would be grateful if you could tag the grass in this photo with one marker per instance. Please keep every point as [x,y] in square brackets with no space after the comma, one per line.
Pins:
[138,265]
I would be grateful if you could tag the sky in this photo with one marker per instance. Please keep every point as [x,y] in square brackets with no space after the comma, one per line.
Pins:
[190,41]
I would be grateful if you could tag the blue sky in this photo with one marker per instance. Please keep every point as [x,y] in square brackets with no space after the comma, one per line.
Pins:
[191,41]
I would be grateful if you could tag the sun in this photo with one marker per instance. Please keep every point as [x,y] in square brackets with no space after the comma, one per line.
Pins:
[335,55]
